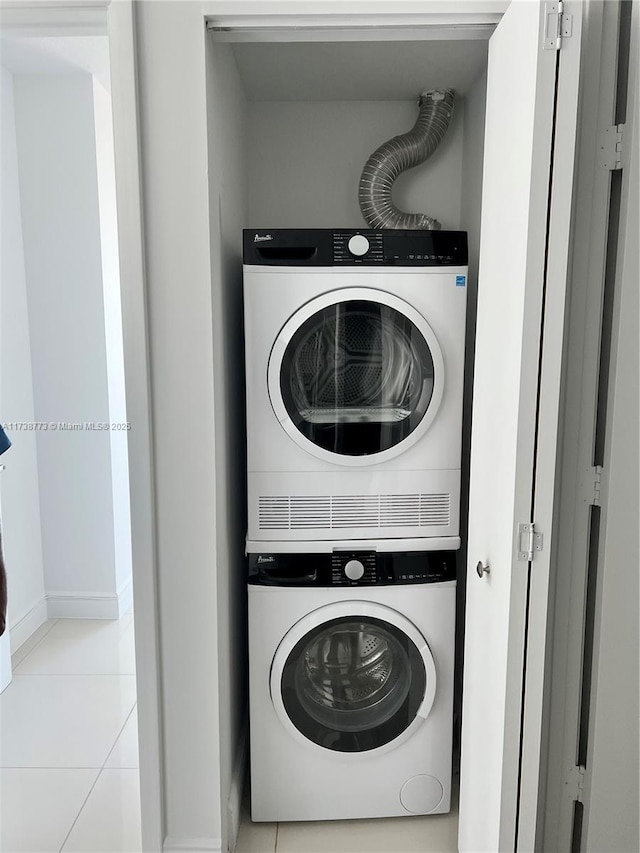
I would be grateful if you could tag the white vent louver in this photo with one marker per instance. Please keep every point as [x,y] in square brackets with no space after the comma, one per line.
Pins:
[342,511]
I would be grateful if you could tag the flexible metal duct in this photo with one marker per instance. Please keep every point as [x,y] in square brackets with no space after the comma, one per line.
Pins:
[399,154]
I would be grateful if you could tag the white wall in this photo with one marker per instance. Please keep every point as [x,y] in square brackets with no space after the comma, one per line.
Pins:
[105,166]
[175,194]
[228,211]
[63,262]
[21,508]
[305,162]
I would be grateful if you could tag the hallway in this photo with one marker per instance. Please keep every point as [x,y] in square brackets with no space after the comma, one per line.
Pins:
[68,748]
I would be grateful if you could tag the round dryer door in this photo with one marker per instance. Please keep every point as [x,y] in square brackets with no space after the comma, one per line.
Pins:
[353,677]
[356,376]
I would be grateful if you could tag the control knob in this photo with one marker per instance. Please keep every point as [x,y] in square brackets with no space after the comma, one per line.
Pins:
[354,570]
[358,245]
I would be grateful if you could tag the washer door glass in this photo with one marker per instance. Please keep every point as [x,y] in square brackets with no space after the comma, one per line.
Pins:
[353,684]
[357,377]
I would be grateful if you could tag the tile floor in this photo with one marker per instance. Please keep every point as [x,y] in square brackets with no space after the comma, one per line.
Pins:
[68,741]
[69,760]
[429,834]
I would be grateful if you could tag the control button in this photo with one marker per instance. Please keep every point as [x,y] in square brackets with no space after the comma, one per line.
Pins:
[358,245]
[354,570]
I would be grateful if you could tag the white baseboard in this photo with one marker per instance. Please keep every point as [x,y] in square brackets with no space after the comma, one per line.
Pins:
[90,605]
[234,803]
[192,845]
[82,605]
[28,624]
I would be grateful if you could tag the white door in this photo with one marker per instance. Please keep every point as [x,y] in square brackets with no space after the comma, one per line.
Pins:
[522,279]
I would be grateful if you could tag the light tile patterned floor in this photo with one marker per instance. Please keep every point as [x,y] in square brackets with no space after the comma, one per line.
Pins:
[429,834]
[68,741]
[69,760]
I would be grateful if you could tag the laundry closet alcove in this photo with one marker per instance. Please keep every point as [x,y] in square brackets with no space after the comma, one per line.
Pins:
[295,105]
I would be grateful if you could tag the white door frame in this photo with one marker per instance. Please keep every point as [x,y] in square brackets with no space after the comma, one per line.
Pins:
[547,442]
[564,780]
[26,19]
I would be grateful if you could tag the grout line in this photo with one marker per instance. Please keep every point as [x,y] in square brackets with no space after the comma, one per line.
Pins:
[84,803]
[43,767]
[275,849]
[100,772]
[104,764]
[75,675]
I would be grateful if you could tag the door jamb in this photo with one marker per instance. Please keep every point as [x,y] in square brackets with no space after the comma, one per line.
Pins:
[548,438]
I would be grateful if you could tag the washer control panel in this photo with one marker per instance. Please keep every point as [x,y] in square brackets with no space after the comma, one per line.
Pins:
[352,568]
[349,247]
[359,245]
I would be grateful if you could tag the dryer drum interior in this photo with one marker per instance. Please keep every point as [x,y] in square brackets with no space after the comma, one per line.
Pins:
[357,377]
[353,684]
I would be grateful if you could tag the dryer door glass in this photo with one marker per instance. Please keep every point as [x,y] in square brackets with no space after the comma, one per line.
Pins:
[353,684]
[357,377]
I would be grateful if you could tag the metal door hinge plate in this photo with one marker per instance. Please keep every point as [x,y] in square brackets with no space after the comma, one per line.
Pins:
[574,783]
[611,147]
[558,25]
[529,541]
[592,485]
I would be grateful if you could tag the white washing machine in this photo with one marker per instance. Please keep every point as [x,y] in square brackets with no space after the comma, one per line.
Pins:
[351,660]
[354,369]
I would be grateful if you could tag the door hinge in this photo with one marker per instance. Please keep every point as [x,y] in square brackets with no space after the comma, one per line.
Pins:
[611,147]
[558,25]
[592,485]
[574,783]
[529,541]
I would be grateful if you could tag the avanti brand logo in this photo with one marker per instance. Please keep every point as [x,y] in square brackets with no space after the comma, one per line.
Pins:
[258,238]
[262,559]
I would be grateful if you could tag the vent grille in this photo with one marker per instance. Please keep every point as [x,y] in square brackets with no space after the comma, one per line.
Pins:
[326,512]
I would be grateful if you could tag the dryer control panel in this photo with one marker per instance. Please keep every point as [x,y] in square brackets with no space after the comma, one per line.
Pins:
[352,568]
[325,247]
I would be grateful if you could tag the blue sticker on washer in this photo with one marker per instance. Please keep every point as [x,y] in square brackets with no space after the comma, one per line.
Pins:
[461,280]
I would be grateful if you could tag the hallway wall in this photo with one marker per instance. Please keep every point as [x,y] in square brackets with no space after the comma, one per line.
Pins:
[21,505]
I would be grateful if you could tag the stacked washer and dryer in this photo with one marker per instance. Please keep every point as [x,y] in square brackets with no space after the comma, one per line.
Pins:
[354,369]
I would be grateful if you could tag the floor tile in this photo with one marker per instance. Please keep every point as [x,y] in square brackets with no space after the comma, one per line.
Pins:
[89,627]
[37,807]
[110,819]
[83,647]
[255,837]
[29,644]
[125,752]
[429,834]
[63,720]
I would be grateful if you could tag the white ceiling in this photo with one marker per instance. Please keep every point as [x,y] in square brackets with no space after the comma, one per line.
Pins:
[57,55]
[362,71]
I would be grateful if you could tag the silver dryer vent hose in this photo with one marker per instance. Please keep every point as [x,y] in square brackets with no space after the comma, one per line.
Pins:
[401,153]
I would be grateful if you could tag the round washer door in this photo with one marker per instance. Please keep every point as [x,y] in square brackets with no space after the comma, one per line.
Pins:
[353,677]
[356,376]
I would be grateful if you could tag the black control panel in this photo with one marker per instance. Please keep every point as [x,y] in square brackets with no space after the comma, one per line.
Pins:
[300,247]
[352,568]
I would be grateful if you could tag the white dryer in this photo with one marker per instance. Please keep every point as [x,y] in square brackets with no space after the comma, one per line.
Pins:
[354,377]
[351,684]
